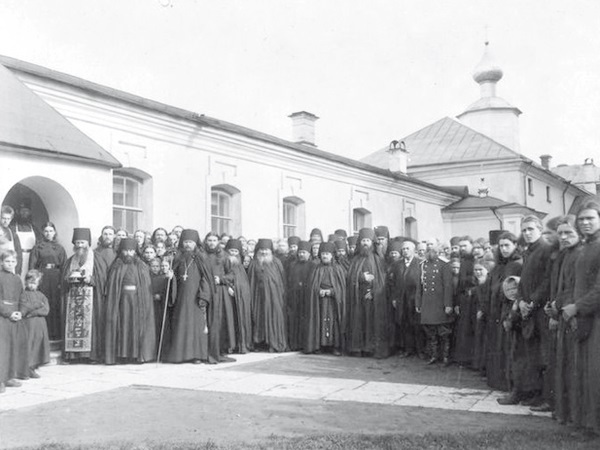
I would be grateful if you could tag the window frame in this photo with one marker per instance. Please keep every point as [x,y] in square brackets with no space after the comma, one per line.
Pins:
[219,218]
[123,209]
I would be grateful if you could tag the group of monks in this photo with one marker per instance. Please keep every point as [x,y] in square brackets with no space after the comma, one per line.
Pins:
[523,310]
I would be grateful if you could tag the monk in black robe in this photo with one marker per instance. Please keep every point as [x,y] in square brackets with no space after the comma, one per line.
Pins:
[368,326]
[130,327]
[298,291]
[238,287]
[221,324]
[267,284]
[326,307]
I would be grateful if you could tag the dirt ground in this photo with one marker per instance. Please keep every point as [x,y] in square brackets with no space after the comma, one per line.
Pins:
[141,413]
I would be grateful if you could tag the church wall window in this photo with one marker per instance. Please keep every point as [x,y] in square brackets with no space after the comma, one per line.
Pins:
[127,202]
[293,217]
[361,218]
[225,210]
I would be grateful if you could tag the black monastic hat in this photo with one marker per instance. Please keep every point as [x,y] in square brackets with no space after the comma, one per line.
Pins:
[82,234]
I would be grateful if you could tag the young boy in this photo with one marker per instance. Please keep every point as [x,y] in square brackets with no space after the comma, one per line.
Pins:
[34,308]
[14,350]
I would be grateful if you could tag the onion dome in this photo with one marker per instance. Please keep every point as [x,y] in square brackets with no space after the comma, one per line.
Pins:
[487,70]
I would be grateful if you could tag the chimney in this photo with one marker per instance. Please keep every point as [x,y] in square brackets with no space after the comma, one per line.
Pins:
[398,157]
[545,161]
[303,127]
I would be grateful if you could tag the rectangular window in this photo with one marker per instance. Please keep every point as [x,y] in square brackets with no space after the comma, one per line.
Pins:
[220,212]
[127,209]
[290,219]
[358,221]
[530,186]
[548,198]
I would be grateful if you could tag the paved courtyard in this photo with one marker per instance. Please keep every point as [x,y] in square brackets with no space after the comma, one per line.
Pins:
[291,381]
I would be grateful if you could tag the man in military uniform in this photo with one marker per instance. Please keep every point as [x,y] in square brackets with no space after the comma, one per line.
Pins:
[434,302]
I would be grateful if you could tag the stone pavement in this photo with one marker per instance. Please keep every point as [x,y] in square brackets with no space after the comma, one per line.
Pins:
[60,382]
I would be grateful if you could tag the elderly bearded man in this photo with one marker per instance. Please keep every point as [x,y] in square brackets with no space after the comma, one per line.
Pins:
[238,287]
[189,341]
[84,279]
[369,313]
[268,298]
[130,327]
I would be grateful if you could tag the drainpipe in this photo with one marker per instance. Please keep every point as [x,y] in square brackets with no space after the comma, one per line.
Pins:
[493,209]
[526,194]
[564,200]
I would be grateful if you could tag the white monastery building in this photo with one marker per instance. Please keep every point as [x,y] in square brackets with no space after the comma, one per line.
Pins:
[88,155]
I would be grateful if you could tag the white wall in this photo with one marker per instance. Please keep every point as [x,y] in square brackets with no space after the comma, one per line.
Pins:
[74,195]
[184,160]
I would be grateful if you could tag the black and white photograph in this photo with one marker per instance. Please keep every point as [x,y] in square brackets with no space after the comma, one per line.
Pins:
[299,224]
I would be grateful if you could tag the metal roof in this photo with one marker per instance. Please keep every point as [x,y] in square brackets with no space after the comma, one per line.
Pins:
[108,92]
[29,125]
[445,141]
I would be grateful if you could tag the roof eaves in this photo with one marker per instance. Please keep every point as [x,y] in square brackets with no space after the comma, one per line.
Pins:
[6,146]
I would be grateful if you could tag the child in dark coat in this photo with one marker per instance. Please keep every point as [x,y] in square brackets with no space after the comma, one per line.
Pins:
[34,308]
[14,350]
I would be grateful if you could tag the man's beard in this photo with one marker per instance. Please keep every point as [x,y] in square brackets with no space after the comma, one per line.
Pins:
[381,248]
[234,260]
[431,255]
[80,255]
[365,250]
[127,259]
[262,259]
[107,242]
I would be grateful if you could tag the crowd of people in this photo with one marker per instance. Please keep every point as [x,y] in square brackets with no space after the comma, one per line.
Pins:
[523,311]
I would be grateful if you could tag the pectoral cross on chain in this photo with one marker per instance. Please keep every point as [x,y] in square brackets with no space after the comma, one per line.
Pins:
[185,277]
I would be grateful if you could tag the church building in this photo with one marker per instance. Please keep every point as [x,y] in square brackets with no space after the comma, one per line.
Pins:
[478,154]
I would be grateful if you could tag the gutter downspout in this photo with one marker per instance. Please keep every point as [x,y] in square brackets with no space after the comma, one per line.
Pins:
[493,209]
[564,201]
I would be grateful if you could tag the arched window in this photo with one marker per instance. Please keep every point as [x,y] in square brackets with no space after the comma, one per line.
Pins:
[225,209]
[293,217]
[361,218]
[127,202]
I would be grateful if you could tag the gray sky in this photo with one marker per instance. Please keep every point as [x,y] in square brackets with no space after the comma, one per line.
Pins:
[372,70]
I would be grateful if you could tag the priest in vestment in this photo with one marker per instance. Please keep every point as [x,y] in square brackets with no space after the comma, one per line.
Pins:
[130,327]
[267,285]
[189,338]
[84,278]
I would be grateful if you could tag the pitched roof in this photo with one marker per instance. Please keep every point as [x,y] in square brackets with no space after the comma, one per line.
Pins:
[445,141]
[474,203]
[126,97]
[578,173]
[30,125]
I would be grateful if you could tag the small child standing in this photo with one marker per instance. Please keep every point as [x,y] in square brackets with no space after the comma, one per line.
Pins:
[14,350]
[34,307]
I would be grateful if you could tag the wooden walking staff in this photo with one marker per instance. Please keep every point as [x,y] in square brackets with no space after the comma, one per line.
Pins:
[164,318]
